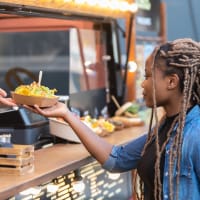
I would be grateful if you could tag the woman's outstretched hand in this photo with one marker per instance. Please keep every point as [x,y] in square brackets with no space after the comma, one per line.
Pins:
[6,101]
[57,110]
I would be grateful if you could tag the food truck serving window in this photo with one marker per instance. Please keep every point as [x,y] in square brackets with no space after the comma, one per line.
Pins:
[69,53]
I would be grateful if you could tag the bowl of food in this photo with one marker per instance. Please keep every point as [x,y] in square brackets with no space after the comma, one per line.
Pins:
[34,94]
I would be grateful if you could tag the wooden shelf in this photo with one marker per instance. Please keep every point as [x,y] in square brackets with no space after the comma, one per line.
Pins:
[18,159]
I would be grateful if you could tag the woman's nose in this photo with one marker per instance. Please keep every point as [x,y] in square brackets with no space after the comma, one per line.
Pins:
[142,84]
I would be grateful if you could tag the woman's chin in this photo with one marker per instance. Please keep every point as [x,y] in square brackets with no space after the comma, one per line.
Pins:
[149,104]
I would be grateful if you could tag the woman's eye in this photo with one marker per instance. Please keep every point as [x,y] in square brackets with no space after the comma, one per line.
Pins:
[146,76]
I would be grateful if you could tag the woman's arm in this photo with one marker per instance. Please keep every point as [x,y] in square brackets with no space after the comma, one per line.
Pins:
[126,157]
[96,145]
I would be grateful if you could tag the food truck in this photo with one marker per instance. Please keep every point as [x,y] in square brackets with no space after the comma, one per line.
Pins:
[84,49]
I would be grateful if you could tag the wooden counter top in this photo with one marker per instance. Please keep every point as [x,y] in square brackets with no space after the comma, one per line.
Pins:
[57,160]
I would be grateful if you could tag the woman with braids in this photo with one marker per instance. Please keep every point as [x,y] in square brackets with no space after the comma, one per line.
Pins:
[167,158]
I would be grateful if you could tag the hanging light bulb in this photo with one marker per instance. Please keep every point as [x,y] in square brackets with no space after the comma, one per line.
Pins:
[132,66]
[78,184]
[53,186]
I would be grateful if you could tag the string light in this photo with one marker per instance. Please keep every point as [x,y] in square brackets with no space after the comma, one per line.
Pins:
[132,66]
[53,186]
[31,191]
[109,7]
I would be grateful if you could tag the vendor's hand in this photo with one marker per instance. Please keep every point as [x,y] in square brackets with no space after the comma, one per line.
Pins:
[58,110]
[4,100]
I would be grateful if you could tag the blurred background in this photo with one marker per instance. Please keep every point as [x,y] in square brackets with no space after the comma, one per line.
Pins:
[183,19]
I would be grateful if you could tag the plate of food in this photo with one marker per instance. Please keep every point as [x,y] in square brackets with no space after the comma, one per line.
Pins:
[128,115]
[34,94]
[101,126]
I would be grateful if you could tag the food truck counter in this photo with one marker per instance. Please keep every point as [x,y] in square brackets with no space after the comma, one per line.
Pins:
[59,159]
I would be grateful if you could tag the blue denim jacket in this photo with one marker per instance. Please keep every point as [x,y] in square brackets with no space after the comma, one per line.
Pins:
[124,158]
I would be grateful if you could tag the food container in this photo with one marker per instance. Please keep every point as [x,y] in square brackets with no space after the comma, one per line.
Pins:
[17,160]
[34,100]
[63,130]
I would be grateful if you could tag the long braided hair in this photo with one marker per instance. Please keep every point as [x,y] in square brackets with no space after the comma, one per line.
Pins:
[181,57]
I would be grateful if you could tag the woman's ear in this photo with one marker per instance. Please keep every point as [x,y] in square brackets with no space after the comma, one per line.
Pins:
[172,81]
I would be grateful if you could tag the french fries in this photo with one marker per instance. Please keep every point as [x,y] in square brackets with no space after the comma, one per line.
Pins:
[35,90]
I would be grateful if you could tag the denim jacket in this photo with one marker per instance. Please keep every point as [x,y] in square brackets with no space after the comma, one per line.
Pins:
[124,158]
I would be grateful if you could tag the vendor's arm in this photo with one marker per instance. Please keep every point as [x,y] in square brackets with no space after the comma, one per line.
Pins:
[5,101]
